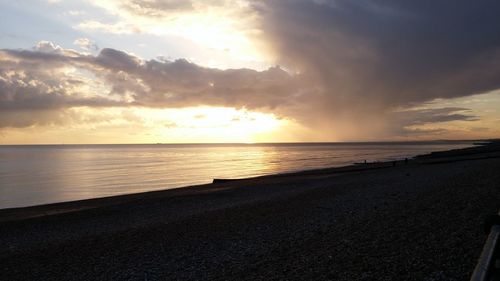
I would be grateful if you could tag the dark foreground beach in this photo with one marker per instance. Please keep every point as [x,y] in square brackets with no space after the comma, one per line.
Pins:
[419,220]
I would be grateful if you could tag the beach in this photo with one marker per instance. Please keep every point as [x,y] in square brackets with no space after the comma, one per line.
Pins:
[419,220]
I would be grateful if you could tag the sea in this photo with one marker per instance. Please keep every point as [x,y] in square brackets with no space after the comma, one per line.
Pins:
[41,174]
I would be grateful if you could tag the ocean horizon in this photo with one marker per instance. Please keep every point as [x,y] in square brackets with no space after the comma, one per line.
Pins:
[43,174]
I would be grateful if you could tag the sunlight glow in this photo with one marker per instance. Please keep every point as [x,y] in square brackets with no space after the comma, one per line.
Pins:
[144,125]
[211,124]
[228,27]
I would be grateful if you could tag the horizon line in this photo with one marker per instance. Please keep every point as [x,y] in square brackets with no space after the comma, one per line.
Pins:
[257,143]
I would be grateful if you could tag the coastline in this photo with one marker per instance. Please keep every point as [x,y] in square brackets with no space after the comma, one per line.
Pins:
[19,213]
[292,214]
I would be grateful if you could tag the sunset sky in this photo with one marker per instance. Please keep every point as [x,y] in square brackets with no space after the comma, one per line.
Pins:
[151,71]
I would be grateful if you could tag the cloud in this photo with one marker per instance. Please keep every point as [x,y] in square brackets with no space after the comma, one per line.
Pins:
[120,28]
[37,87]
[47,47]
[23,119]
[75,13]
[50,78]
[165,8]
[355,69]
[224,29]
[155,8]
[369,58]
[435,115]
[170,16]
[417,132]
[86,44]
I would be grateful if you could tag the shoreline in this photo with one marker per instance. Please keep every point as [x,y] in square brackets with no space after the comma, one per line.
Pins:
[19,213]
[419,221]
[76,190]
[16,213]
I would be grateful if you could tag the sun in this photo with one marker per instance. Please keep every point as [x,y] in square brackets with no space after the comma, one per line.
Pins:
[207,124]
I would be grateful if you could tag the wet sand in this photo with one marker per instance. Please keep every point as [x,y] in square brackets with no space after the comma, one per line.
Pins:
[415,221]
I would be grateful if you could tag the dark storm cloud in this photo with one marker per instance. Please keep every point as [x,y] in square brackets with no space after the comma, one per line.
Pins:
[389,51]
[371,57]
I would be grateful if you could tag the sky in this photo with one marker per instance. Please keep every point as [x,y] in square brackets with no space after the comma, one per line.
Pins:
[197,71]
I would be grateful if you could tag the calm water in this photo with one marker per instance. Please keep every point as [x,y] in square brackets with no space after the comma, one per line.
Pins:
[32,175]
